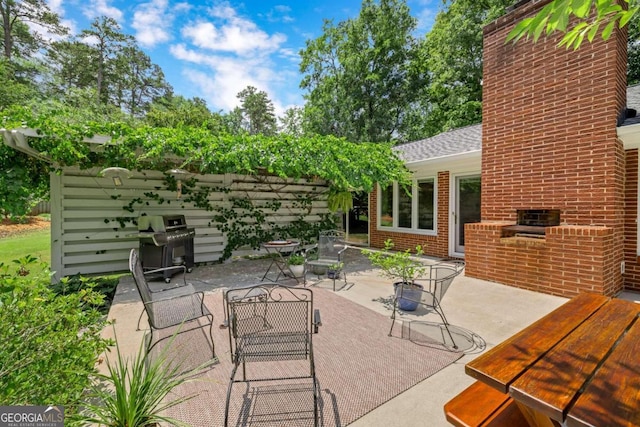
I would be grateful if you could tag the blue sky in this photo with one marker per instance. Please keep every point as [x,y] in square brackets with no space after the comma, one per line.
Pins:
[213,49]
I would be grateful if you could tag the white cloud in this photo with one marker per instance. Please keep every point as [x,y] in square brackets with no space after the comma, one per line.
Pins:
[229,32]
[56,6]
[222,53]
[151,21]
[280,13]
[96,8]
[290,55]
[227,76]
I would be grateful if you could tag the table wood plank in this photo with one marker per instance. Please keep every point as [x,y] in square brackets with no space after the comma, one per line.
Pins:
[552,383]
[612,398]
[503,364]
[474,405]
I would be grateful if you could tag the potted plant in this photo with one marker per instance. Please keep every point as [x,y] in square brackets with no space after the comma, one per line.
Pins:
[296,264]
[333,271]
[403,267]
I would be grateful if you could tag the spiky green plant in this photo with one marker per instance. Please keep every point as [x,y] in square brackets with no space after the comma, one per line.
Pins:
[134,392]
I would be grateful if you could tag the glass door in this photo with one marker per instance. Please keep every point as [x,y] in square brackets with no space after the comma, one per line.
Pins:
[467,207]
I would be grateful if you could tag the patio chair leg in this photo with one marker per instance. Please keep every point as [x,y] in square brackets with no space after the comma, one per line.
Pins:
[226,408]
[213,344]
[393,317]
[438,310]
[150,344]
[315,402]
[139,319]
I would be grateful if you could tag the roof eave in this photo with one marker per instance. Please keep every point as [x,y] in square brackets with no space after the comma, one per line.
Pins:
[442,160]
[629,135]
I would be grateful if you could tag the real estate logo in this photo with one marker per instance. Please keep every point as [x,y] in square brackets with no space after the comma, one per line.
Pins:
[32,416]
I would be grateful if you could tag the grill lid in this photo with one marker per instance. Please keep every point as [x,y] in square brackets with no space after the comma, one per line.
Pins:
[161,223]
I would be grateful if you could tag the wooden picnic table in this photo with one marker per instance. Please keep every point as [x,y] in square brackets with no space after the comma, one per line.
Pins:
[577,366]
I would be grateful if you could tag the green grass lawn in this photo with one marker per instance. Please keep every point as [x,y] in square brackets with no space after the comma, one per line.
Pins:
[34,243]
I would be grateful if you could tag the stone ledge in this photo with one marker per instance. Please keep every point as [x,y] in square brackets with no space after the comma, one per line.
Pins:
[523,241]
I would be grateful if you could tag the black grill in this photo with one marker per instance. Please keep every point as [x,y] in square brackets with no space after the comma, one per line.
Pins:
[165,240]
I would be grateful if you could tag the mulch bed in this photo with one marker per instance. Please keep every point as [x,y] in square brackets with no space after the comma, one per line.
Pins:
[32,223]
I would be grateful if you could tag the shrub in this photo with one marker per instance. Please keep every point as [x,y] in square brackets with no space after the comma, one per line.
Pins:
[105,285]
[50,343]
[295,259]
[397,265]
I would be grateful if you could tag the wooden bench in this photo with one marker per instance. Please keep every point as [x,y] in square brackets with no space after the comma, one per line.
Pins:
[480,405]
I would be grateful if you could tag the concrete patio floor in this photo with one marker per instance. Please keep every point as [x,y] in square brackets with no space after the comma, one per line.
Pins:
[492,311]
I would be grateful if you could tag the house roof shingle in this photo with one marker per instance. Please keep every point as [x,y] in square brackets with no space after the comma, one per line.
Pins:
[456,141]
[469,138]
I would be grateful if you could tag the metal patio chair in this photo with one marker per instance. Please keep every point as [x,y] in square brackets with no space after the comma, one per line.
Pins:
[434,284]
[327,254]
[172,307]
[269,322]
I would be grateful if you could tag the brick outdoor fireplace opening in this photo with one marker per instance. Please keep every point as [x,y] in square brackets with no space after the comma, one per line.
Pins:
[532,223]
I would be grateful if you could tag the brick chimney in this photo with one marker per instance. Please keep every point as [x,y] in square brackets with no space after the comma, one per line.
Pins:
[549,142]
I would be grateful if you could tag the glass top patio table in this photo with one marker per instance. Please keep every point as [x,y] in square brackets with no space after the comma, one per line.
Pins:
[280,251]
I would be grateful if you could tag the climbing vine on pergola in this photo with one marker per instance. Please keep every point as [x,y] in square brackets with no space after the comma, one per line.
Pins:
[344,165]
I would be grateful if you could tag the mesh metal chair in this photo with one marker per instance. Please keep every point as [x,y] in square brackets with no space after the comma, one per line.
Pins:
[432,288]
[269,322]
[327,255]
[172,307]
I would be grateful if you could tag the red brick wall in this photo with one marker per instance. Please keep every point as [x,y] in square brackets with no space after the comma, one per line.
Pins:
[570,260]
[549,142]
[436,246]
[632,267]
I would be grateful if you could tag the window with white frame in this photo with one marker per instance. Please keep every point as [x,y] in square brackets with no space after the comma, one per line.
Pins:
[414,210]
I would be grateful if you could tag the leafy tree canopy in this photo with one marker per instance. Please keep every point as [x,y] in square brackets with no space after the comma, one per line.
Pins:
[633,51]
[258,112]
[359,73]
[452,53]
[345,165]
[16,15]
[577,19]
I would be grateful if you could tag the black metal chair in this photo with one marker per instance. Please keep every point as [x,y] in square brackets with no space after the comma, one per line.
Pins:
[327,256]
[173,307]
[430,290]
[269,322]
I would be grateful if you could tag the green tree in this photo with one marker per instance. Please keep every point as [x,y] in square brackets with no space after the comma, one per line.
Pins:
[292,122]
[577,19]
[359,74]
[453,54]
[233,121]
[106,36]
[137,82]
[633,51]
[176,111]
[71,64]
[17,15]
[24,181]
[13,90]
[258,116]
